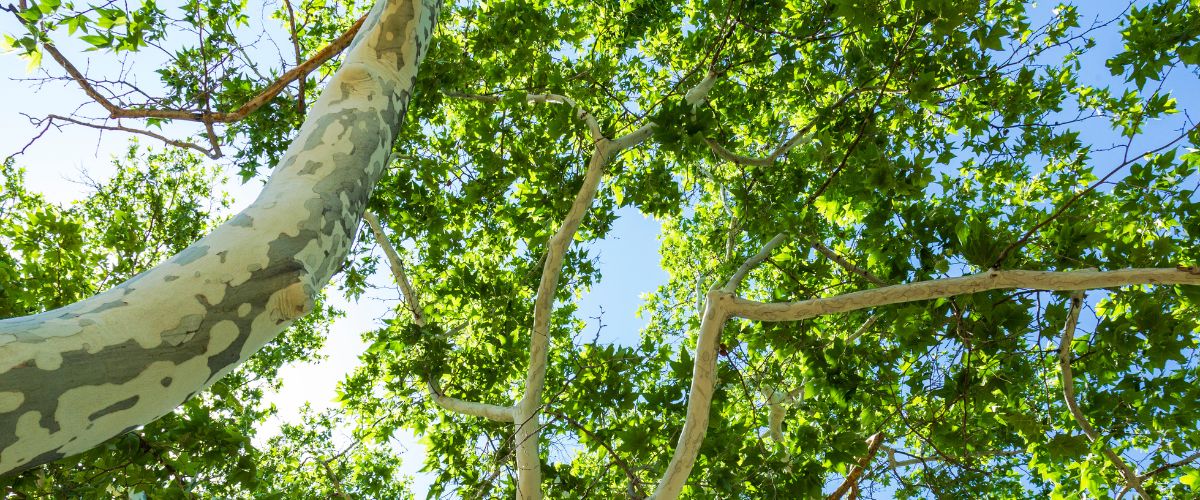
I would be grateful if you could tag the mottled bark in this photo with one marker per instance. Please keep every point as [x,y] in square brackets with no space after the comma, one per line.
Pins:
[75,376]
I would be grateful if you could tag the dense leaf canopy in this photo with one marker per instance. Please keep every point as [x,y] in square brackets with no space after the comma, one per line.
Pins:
[890,141]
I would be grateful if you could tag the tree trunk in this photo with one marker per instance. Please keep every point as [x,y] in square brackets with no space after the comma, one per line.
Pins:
[75,376]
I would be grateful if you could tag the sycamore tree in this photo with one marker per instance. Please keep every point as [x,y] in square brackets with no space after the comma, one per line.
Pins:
[915,248]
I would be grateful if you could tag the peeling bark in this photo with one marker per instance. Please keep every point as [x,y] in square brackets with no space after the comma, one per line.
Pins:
[75,376]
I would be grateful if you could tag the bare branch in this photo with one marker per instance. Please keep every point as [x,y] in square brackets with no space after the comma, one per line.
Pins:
[697,95]
[851,480]
[1132,480]
[1168,466]
[704,378]
[916,460]
[776,399]
[633,138]
[488,411]
[296,48]
[765,161]
[862,329]
[634,481]
[214,154]
[525,415]
[934,289]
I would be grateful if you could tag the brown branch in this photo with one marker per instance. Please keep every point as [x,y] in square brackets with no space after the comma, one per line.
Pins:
[851,480]
[296,47]
[847,265]
[334,48]
[634,481]
[1004,254]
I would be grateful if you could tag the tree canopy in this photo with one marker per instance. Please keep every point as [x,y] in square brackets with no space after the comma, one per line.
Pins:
[916,248]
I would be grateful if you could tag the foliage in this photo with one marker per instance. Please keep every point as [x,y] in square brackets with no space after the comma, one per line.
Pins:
[947,138]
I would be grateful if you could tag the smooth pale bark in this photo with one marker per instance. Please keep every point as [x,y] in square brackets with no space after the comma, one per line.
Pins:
[724,304]
[704,378]
[1065,353]
[526,413]
[1087,279]
[75,376]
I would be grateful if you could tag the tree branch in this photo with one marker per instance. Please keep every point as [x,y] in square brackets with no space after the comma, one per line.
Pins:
[947,287]
[397,265]
[704,378]
[776,410]
[896,464]
[766,161]
[334,48]
[751,263]
[592,124]
[525,413]
[211,153]
[1064,363]
[846,264]
[489,411]
[634,481]
[851,480]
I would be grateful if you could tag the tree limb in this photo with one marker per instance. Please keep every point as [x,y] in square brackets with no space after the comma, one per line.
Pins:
[592,124]
[846,264]
[947,287]
[211,153]
[1132,480]
[273,89]
[704,378]
[489,411]
[851,480]
[525,413]
[635,482]
[397,265]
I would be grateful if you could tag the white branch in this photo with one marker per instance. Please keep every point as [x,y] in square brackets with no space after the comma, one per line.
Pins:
[593,125]
[527,420]
[862,329]
[696,95]
[751,263]
[934,289]
[488,411]
[1064,363]
[704,379]
[776,410]
[633,138]
[397,266]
